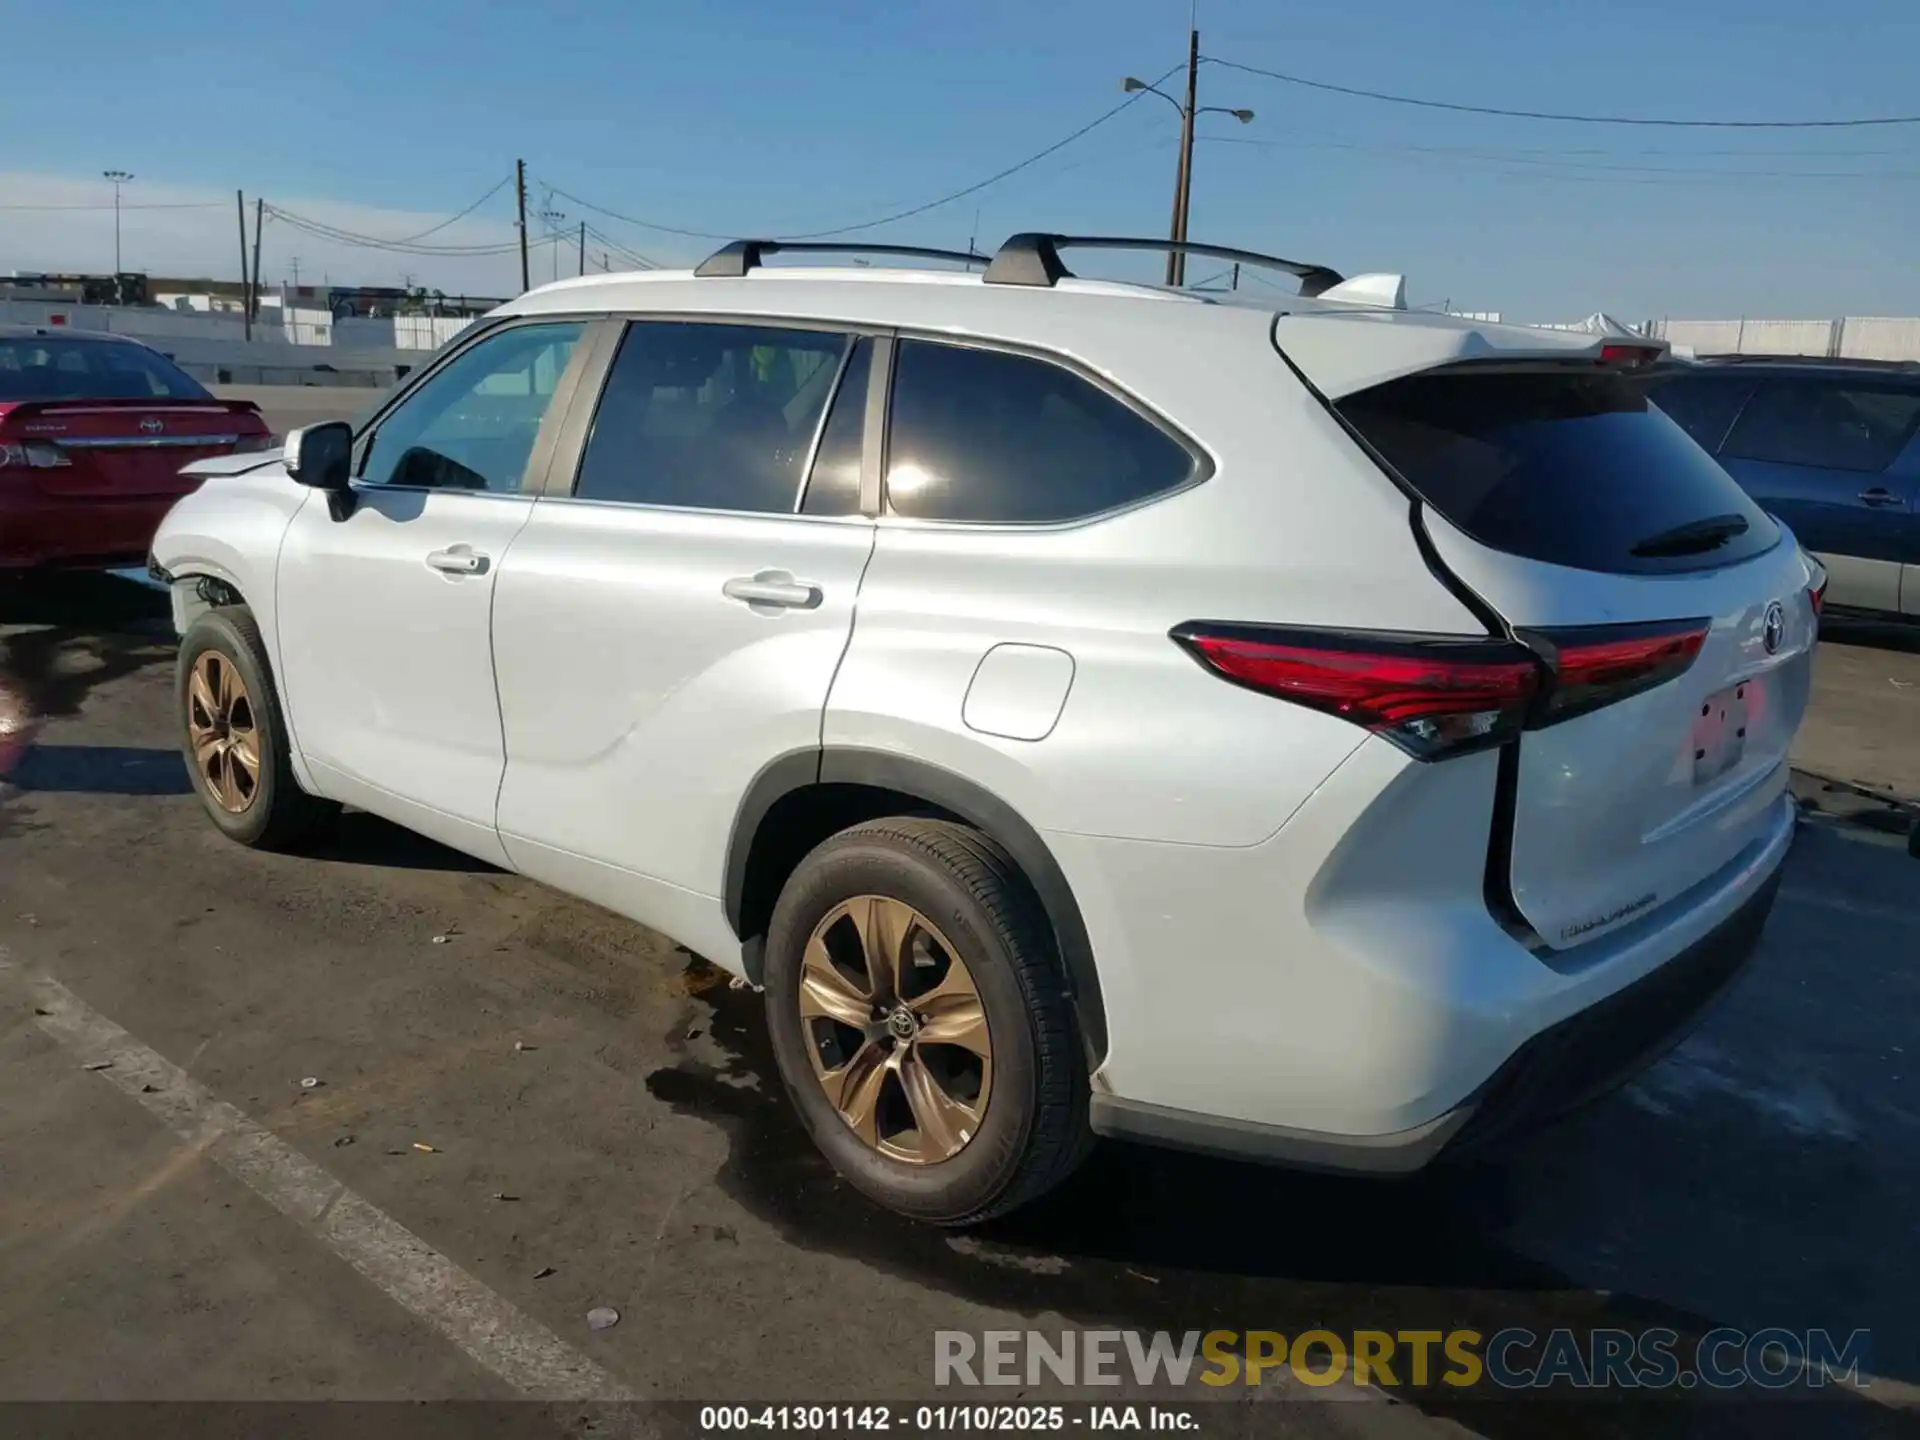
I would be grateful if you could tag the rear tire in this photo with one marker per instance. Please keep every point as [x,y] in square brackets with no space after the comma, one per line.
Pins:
[234,735]
[956,1092]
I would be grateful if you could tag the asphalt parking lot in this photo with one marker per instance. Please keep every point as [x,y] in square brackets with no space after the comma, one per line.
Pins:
[528,1108]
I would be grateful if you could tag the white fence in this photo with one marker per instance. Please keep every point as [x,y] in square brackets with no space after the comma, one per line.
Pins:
[1853,337]
[288,346]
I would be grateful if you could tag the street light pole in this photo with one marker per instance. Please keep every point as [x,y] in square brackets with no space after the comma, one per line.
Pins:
[119,178]
[1183,176]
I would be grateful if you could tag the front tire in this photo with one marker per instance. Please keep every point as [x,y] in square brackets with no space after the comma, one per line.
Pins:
[234,735]
[921,1023]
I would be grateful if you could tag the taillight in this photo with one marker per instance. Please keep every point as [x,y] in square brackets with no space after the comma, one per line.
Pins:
[1436,696]
[1629,356]
[1817,593]
[1430,696]
[1601,664]
[32,455]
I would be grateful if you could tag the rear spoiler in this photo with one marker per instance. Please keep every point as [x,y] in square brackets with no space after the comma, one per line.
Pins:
[1346,351]
[157,405]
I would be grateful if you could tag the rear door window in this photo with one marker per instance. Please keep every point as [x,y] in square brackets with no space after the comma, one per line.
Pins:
[1704,406]
[1826,423]
[1571,467]
[710,416]
[834,486]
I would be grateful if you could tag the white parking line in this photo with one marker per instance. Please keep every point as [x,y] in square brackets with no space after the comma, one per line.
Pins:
[518,1349]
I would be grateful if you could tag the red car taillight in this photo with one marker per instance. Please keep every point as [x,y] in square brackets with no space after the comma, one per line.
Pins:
[1439,696]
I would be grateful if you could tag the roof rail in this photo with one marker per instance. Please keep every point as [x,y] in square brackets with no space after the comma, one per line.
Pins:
[1034,259]
[737,257]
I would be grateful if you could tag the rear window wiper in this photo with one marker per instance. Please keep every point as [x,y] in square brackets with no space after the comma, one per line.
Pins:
[1692,538]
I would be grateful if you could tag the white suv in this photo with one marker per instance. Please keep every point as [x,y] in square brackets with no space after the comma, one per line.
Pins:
[1310,730]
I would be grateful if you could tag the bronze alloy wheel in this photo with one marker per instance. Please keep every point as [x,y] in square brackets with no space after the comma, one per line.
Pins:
[896,1030]
[224,735]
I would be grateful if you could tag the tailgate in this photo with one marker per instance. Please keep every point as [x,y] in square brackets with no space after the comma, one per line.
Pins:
[1674,615]
[1619,810]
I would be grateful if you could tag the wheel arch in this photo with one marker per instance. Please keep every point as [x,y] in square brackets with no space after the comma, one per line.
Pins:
[839,784]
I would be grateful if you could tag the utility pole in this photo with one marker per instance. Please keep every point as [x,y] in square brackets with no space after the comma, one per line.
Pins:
[520,193]
[294,261]
[583,247]
[246,294]
[118,178]
[1183,186]
[259,224]
[1183,177]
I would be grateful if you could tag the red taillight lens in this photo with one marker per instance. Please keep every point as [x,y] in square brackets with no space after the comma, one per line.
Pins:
[1432,697]
[1628,355]
[1435,696]
[1818,595]
[1602,664]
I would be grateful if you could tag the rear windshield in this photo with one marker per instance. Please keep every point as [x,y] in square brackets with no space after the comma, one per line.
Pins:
[1569,467]
[34,367]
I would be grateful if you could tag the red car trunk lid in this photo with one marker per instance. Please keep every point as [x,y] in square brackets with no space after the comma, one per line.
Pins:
[125,448]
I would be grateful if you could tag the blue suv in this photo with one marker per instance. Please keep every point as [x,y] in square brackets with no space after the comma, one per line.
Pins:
[1830,447]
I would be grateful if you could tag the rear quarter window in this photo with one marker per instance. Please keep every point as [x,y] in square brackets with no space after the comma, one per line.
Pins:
[988,437]
[1570,467]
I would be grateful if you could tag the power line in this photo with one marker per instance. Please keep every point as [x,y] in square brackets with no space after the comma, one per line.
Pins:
[625,252]
[322,230]
[501,184]
[1547,159]
[889,219]
[1665,121]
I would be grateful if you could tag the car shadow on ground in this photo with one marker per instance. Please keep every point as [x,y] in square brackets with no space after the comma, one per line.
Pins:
[1155,1240]
[357,838]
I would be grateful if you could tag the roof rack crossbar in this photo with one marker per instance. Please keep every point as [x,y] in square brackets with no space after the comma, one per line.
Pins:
[737,257]
[1034,259]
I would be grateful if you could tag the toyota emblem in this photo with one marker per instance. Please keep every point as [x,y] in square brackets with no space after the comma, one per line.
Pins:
[151,425]
[1774,630]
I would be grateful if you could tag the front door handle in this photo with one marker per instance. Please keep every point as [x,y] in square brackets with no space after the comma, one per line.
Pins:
[1878,496]
[773,587]
[458,560]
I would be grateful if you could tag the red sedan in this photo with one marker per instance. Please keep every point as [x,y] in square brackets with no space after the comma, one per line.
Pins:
[93,431]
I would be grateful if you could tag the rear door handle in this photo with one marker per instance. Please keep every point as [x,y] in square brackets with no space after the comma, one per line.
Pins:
[1878,496]
[458,560]
[773,587]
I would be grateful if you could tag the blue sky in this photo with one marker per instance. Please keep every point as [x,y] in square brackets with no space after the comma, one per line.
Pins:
[775,117]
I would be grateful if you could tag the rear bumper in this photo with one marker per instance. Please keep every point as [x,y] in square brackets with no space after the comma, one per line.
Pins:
[1559,1070]
[78,532]
[1340,996]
